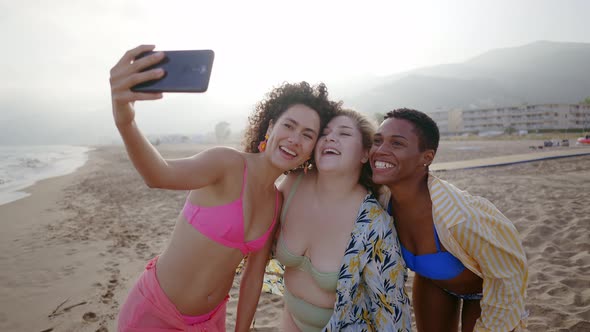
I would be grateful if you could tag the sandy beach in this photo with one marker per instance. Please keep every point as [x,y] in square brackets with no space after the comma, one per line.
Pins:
[71,250]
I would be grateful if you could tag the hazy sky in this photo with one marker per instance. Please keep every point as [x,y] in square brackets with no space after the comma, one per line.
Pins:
[57,54]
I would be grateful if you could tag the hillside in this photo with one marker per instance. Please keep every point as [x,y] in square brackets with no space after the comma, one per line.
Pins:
[541,72]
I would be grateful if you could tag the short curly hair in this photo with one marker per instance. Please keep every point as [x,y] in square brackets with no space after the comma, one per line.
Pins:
[278,101]
[426,128]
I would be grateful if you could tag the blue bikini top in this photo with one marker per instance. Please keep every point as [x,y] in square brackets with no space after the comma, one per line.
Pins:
[441,265]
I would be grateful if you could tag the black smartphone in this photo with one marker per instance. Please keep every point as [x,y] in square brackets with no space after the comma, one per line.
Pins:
[185,71]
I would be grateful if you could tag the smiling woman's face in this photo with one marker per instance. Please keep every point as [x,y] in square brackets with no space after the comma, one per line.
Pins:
[340,147]
[293,137]
[395,153]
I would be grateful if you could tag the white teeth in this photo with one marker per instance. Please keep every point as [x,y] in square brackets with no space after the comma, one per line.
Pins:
[383,164]
[331,151]
[289,151]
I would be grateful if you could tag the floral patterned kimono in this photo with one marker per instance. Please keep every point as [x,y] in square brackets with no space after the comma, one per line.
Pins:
[370,294]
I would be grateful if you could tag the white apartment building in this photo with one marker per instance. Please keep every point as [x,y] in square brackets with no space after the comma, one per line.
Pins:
[525,117]
[449,122]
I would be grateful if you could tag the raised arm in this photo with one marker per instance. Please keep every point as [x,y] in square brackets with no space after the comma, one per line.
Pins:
[157,172]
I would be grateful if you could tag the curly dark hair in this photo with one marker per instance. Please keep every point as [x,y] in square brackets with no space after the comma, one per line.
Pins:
[426,129]
[278,101]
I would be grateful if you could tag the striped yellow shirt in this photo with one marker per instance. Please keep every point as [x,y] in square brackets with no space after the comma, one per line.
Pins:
[487,243]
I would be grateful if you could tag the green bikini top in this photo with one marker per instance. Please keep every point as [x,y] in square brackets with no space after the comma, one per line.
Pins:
[326,280]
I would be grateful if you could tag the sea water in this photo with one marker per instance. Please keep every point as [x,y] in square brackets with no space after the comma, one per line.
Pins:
[22,166]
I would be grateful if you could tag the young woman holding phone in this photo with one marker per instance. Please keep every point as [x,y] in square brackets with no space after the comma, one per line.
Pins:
[231,209]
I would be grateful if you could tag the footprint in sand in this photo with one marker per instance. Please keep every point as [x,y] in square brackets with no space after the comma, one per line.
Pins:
[112,263]
[90,317]
[579,327]
[550,250]
[108,295]
[112,269]
[68,270]
[111,287]
[141,245]
[559,290]
[141,249]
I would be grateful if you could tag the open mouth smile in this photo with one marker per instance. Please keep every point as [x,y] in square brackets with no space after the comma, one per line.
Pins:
[383,164]
[331,151]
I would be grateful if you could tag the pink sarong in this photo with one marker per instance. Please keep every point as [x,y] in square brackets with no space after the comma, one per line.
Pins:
[148,309]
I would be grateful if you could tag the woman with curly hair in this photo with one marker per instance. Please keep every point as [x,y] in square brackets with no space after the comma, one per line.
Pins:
[231,209]
[343,265]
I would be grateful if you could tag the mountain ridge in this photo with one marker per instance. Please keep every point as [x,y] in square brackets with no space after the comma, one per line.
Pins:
[535,73]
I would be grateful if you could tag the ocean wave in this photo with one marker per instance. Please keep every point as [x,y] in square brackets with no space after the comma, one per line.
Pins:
[23,166]
[31,162]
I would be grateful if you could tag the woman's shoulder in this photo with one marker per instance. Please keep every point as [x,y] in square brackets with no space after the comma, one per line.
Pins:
[227,154]
[296,177]
[225,159]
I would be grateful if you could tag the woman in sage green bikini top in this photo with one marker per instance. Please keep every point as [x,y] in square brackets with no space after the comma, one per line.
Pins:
[326,280]
[317,219]
[307,316]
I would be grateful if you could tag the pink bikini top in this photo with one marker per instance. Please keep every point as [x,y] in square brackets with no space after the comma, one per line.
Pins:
[224,224]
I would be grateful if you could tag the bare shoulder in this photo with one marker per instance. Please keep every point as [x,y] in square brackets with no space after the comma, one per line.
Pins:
[293,177]
[286,182]
[226,155]
[223,160]
[222,152]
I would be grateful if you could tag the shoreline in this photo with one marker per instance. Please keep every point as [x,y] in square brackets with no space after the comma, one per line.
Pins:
[48,272]
[84,237]
[20,189]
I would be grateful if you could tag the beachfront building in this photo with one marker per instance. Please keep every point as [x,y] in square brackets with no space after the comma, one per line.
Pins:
[529,118]
[441,117]
[449,122]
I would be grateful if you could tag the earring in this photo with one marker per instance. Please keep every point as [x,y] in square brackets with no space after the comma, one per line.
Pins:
[425,165]
[306,166]
[262,144]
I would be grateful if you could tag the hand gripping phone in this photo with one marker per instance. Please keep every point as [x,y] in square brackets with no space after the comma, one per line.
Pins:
[185,71]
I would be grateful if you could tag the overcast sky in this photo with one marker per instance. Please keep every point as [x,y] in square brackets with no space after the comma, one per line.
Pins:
[56,55]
